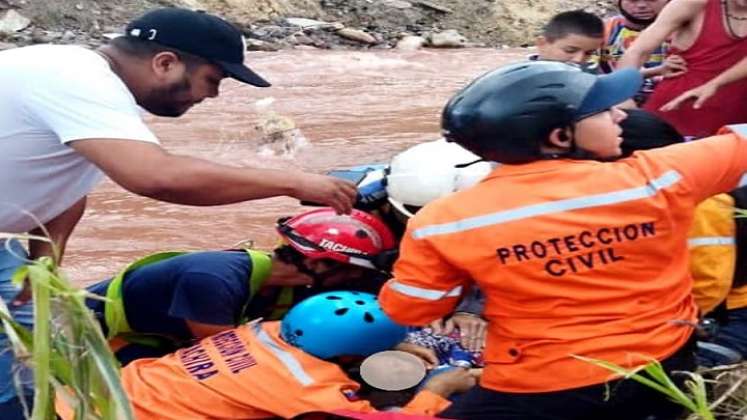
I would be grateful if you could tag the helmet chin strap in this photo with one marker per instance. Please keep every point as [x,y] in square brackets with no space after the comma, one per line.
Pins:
[290,256]
[632,19]
[574,152]
[468,164]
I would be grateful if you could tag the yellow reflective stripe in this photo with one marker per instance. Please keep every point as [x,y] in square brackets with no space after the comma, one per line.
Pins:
[261,268]
[114,312]
[422,293]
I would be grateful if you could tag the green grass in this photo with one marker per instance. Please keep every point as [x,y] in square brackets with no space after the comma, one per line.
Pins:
[652,375]
[69,355]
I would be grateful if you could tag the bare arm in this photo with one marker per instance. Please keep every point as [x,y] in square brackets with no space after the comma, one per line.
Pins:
[147,169]
[59,230]
[673,17]
[732,74]
[700,94]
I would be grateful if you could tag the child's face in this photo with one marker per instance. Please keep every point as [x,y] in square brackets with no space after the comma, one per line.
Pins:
[643,9]
[600,133]
[573,48]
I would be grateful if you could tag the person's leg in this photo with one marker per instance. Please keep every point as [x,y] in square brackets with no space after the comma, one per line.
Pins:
[627,400]
[733,334]
[712,354]
[12,256]
[635,401]
[484,404]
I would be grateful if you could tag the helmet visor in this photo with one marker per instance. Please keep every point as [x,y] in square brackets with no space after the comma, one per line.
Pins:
[609,90]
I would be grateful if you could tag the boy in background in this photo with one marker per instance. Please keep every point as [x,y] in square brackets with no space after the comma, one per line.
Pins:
[571,37]
[619,33]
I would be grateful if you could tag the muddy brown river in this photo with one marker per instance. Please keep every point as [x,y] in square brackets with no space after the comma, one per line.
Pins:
[352,108]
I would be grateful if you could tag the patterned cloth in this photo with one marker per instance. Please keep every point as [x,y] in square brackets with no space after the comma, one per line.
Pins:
[618,38]
[444,345]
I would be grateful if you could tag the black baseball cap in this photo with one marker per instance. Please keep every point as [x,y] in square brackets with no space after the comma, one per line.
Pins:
[200,34]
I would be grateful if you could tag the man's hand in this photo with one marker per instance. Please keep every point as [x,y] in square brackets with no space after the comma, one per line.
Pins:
[472,330]
[456,380]
[427,355]
[700,94]
[334,192]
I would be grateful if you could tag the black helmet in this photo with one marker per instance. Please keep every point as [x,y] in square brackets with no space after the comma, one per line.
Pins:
[509,112]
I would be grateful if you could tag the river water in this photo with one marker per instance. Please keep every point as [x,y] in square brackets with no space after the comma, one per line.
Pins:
[351,107]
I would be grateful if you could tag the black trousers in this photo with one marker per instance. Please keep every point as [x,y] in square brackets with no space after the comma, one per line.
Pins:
[628,400]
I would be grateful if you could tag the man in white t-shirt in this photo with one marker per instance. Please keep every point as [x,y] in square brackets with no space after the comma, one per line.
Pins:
[69,115]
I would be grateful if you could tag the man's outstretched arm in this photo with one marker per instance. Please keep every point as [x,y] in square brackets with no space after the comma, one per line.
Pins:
[147,169]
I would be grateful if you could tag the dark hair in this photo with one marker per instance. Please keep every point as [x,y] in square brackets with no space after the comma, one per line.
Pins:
[143,49]
[643,130]
[378,398]
[575,22]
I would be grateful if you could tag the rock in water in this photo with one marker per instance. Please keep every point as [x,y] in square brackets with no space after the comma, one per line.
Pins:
[448,39]
[357,35]
[13,21]
[410,43]
[278,135]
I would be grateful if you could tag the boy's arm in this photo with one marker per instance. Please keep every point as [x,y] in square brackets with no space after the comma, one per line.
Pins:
[674,16]
[432,399]
[701,93]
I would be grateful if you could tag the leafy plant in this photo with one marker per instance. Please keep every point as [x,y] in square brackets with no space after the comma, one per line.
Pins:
[67,351]
[654,376]
[739,213]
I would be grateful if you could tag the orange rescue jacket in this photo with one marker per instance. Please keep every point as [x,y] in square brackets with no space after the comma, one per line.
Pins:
[575,258]
[247,373]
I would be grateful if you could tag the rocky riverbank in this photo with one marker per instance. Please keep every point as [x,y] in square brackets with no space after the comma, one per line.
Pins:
[276,24]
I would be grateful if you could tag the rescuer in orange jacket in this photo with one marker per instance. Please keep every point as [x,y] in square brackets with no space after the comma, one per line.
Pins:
[577,254]
[278,369]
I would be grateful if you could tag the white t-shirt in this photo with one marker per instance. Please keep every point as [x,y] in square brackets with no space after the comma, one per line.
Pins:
[51,95]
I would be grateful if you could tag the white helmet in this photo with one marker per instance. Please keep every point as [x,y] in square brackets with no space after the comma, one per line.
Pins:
[428,171]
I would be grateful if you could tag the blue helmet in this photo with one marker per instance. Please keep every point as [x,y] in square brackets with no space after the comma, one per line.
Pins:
[340,323]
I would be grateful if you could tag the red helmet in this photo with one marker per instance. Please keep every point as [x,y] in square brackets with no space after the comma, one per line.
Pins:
[358,238]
